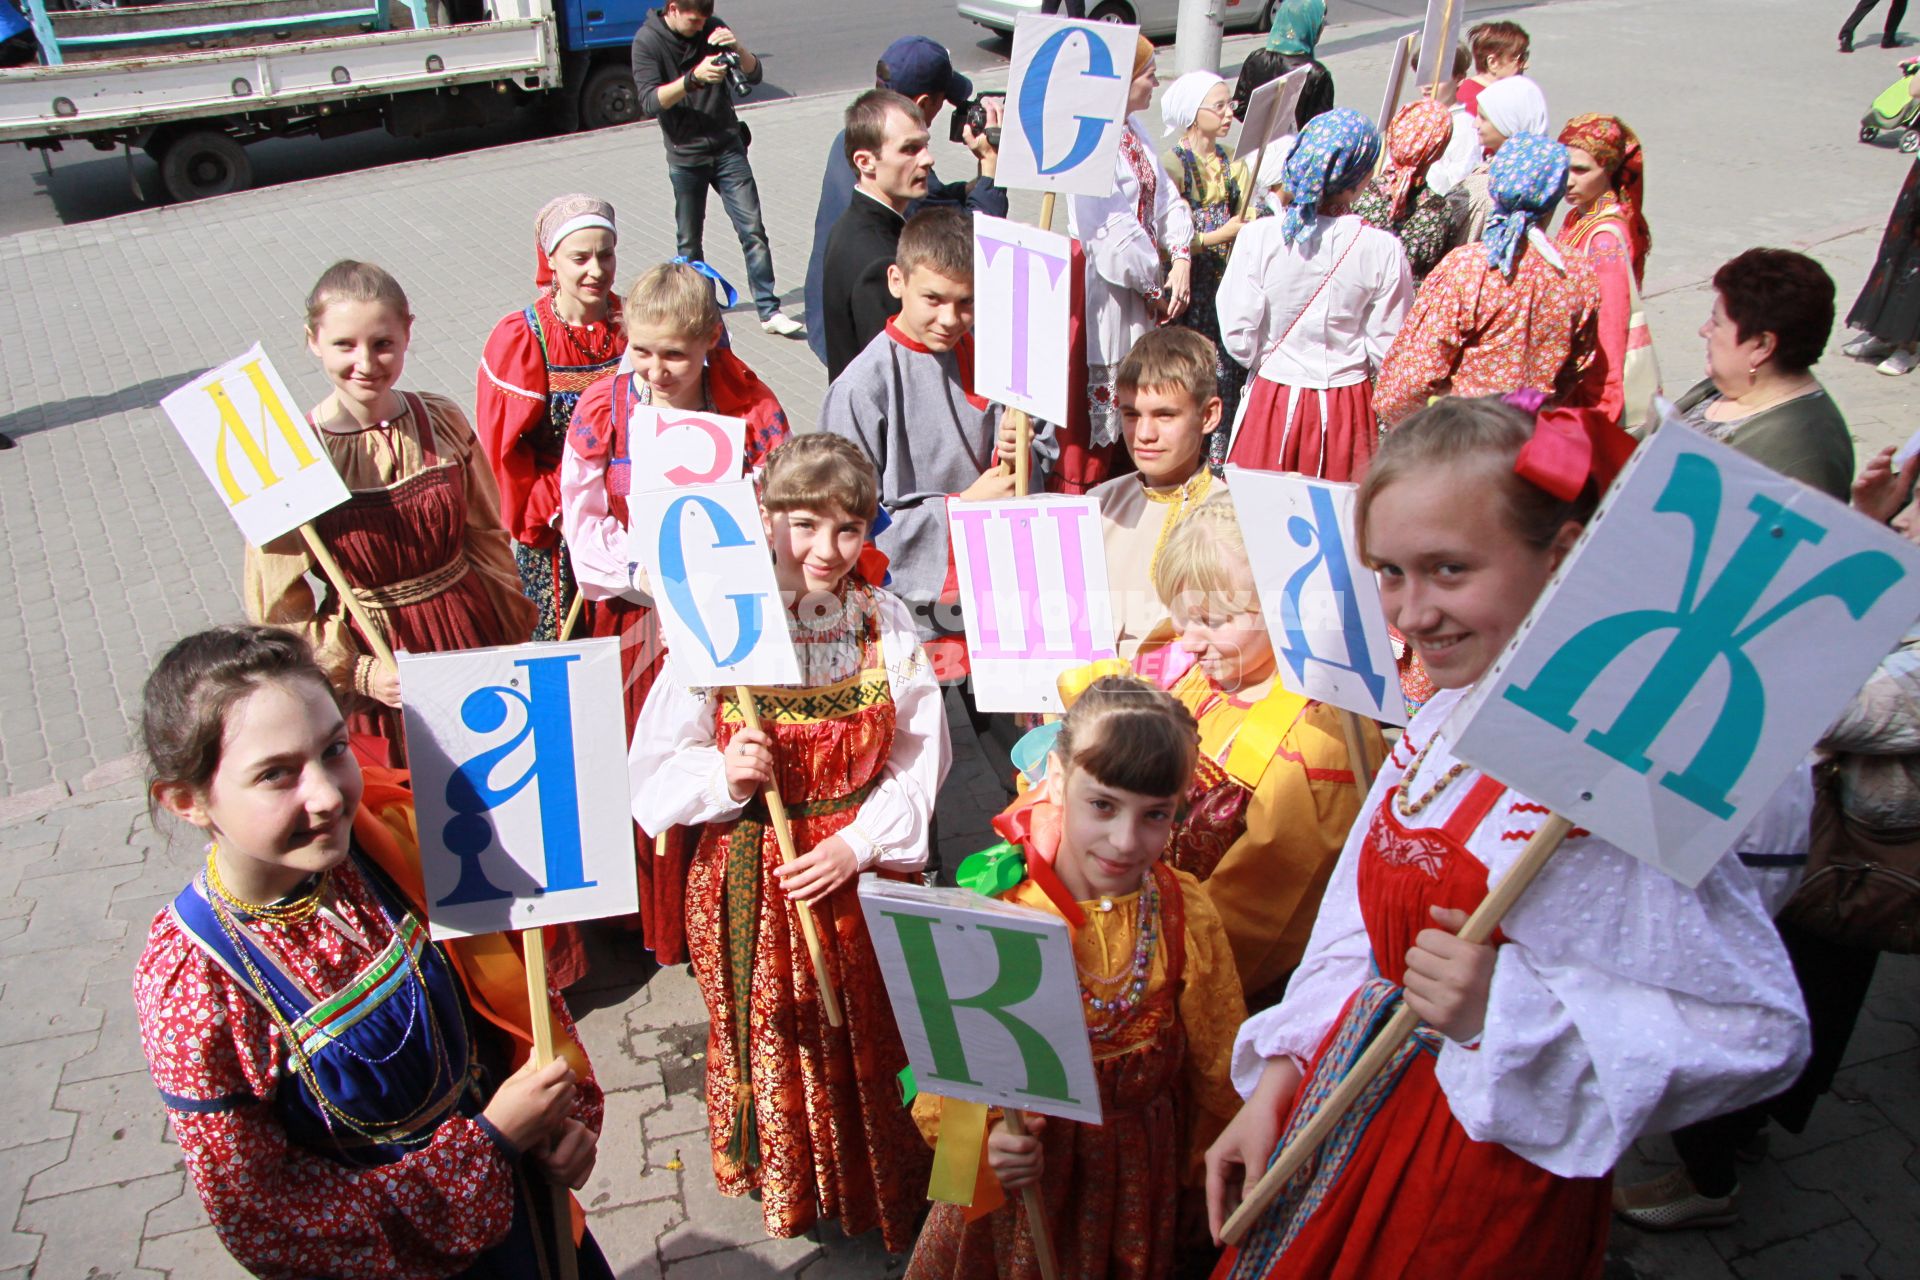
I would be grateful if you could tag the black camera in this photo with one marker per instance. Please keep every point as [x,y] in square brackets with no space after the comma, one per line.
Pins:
[736,80]
[972,114]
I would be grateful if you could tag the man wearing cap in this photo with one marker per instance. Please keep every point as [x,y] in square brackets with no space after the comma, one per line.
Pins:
[921,69]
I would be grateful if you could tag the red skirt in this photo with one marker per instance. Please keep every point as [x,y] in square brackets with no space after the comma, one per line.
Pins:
[1330,434]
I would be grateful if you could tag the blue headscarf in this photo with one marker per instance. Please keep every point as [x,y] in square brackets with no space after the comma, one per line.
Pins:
[1336,152]
[1297,25]
[1526,180]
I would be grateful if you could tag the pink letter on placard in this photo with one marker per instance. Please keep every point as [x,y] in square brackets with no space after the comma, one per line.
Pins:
[1073,569]
[973,527]
[722,451]
[1021,256]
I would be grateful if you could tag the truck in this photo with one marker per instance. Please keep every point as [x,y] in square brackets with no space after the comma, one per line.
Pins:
[193,84]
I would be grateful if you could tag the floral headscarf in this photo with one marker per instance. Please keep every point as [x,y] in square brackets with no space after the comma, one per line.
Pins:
[559,218]
[1180,104]
[1297,25]
[1616,148]
[1526,180]
[1336,152]
[1417,137]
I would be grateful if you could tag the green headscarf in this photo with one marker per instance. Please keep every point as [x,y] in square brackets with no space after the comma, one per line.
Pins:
[1296,26]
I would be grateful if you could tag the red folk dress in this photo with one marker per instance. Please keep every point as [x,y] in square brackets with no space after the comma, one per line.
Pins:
[596,475]
[534,369]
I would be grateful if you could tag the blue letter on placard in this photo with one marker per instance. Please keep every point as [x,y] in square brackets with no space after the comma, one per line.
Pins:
[1033,99]
[548,718]
[1322,534]
[673,567]
[1706,626]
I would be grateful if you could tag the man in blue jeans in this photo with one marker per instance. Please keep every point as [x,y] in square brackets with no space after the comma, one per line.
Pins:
[681,57]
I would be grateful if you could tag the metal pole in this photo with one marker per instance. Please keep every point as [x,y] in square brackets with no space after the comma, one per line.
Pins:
[1197,39]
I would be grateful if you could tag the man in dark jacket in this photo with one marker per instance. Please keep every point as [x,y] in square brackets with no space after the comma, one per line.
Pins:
[680,65]
[918,68]
[886,143]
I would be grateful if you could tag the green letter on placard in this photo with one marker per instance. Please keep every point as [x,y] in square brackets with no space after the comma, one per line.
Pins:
[1017,952]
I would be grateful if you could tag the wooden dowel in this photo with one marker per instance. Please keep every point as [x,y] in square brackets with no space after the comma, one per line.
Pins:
[783,831]
[1022,451]
[337,578]
[1046,211]
[1357,758]
[1479,927]
[533,946]
[660,845]
[1253,178]
[573,615]
[1036,1212]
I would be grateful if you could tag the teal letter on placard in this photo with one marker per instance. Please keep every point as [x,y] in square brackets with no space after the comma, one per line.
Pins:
[1707,626]
[1017,952]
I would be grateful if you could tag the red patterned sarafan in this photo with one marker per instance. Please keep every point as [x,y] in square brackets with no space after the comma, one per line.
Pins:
[1423,849]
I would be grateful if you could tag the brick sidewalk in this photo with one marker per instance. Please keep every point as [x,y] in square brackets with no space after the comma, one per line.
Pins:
[116,548]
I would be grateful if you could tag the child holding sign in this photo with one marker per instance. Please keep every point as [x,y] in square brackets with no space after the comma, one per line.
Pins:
[1169,406]
[420,541]
[678,361]
[1274,794]
[319,1058]
[807,1114]
[1161,998]
[1616,999]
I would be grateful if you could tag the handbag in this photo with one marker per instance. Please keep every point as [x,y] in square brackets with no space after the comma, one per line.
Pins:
[1640,372]
[1860,890]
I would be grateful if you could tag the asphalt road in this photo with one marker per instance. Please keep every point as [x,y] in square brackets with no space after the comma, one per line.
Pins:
[810,46]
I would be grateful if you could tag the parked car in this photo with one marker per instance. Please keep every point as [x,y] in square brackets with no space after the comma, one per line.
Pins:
[1153,17]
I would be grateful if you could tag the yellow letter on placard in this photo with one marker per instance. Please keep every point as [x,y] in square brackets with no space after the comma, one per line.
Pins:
[231,425]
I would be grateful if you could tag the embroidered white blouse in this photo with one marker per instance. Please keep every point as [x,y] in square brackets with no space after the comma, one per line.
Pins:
[1123,256]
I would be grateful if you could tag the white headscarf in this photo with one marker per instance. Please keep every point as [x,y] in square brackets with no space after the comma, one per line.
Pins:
[1180,104]
[1514,106]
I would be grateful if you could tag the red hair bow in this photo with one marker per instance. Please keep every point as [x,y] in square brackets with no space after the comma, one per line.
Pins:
[1569,446]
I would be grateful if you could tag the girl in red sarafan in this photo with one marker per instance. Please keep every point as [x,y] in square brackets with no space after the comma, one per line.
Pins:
[804,1114]
[537,362]
[344,1091]
[677,359]
[420,539]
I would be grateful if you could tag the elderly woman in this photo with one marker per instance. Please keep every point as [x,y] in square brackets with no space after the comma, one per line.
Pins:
[1125,234]
[1772,314]
[1197,110]
[1509,313]
[1507,109]
[1606,186]
[1399,200]
[1311,302]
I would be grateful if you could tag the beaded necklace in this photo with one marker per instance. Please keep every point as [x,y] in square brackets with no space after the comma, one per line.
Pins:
[293,909]
[1131,978]
[1409,809]
[597,339]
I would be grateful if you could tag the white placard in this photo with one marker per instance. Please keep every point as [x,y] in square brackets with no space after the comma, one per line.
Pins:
[675,448]
[1270,114]
[1033,595]
[1397,68]
[1321,602]
[1710,624]
[987,998]
[705,552]
[1907,451]
[258,451]
[520,785]
[1066,105]
[1022,307]
[1438,38]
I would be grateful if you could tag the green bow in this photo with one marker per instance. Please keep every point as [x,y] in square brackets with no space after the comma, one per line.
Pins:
[993,871]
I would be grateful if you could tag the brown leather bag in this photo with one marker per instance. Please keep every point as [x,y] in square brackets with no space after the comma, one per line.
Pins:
[1860,890]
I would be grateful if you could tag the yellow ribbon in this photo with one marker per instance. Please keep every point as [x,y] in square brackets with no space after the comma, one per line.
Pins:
[956,1155]
[1072,684]
[1267,724]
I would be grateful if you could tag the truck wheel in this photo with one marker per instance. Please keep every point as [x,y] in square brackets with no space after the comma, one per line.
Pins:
[608,97]
[204,163]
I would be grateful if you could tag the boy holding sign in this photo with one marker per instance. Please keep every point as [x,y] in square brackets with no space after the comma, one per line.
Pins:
[1160,996]
[340,1106]
[1274,794]
[805,1113]
[673,324]
[1617,1000]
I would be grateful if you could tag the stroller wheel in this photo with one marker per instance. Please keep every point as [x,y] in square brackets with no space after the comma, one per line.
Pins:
[1868,133]
[1910,142]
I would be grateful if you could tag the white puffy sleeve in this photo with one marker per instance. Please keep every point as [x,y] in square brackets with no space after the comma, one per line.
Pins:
[673,764]
[1119,248]
[1622,1003]
[1241,303]
[596,541]
[1392,297]
[893,828]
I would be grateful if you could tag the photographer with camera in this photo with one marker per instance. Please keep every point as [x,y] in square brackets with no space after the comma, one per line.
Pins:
[917,68]
[688,66]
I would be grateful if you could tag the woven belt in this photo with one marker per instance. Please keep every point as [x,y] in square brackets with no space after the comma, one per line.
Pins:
[398,595]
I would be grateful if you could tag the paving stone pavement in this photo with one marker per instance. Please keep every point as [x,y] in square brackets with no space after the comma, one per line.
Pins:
[115,548]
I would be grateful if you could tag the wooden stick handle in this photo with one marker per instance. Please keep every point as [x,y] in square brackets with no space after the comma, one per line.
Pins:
[660,845]
[783,830]
[1022,451]
[1253,178]
[533,945]
[1036,1211]
[1357,758]
[1046,211]
[573,615]
[1479,927]
[337,577]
